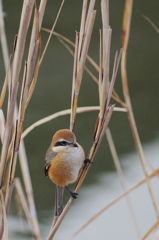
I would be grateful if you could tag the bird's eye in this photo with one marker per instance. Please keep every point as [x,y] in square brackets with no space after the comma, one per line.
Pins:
[61,143]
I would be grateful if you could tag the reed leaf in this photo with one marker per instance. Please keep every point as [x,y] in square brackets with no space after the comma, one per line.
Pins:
[81,50]
[4,223]
[7,132]
[3,92]
[2,125]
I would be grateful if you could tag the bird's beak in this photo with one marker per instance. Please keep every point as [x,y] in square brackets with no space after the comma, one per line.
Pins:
[74,144]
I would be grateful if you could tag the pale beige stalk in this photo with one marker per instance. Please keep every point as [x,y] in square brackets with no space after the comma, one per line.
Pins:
[135,186]
[81,50]
[105,110]
[125,40]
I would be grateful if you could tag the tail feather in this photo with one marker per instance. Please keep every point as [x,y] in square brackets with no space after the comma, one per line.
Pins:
[59,200]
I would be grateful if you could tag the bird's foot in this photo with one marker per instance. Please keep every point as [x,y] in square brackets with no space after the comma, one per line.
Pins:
[73,194]
[87,160]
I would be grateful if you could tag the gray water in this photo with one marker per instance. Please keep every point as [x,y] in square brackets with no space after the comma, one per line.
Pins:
[52,94]
[115,223]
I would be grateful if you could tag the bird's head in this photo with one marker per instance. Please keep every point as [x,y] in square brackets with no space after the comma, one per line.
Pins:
[64,140]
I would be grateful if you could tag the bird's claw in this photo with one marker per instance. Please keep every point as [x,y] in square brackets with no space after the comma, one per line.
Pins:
[87,160]
[74,194]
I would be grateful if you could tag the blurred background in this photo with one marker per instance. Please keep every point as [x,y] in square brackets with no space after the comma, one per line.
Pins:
[53,93]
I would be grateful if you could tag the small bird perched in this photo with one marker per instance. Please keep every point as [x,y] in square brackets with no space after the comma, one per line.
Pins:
[64,159]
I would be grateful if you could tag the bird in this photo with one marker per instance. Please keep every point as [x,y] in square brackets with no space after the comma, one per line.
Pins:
[64,159]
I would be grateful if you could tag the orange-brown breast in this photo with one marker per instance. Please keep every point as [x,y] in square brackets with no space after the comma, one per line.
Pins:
[60,171]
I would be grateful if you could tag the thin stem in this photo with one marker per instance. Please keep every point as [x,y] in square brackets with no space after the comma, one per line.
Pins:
[135,186]
[121,177]
[125,39]
[62,113]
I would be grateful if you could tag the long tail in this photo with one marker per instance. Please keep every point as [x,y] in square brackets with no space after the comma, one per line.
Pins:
[59,200]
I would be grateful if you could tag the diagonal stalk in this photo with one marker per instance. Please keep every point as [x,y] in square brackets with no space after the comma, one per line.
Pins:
[125,39]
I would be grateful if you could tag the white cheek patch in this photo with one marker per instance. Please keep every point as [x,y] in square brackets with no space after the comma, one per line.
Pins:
[64,149]
[59,149]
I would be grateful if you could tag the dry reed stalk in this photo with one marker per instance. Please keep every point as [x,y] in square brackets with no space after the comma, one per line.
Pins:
[36,72]
[3,92]
[38,21]
[155,225]
[3,37]
[152,175]
[121,178]
[81,50]
[21,39]
[65,40]
[22,155]
[89,59]
[105,90]
[41,11]
[2,125]
[26,87]
[7,131]
[154,236]
[62,113]
[18,54]
[151,23]
[23,200]
[152,228]
[2,97]
[24,204]
[29,80]
[50,35]
[105,111]
[4,223]
[125,40]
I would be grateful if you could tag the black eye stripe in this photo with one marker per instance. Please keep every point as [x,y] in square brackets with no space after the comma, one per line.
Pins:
[61,143]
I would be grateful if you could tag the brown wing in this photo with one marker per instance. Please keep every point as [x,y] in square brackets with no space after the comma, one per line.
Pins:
[48,158]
